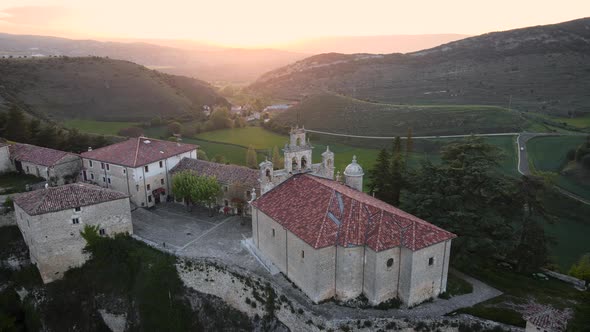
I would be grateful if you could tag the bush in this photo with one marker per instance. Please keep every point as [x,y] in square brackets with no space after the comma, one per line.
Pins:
[131,132]
[571,154]
[586,161]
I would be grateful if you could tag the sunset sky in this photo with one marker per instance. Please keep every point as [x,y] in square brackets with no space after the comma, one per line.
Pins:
[262,23]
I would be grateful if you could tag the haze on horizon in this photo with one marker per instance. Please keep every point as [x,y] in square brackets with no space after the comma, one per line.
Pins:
[271,23]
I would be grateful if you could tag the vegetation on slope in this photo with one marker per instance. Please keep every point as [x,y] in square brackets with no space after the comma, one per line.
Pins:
[540,69]
[100,89]
[344,115]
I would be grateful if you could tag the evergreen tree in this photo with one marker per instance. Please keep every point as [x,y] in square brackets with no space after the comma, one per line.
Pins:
[34,129]
[277,160]
[409,144]
[17,126]
[379,177]
[396,173]
[251,158]
[48,137]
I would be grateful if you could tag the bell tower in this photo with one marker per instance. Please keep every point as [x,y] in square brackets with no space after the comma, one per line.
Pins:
[297,152]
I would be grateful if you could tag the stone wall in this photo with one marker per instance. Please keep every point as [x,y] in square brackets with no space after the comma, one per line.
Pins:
[55,242]
[385,278]
[349,272]
[68,167]
[427,281]
[5,163]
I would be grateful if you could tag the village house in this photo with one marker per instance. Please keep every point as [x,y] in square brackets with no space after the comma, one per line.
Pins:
[138,167]
[237,182]
[297,158]
[334,241]
[57,167]
[51,220]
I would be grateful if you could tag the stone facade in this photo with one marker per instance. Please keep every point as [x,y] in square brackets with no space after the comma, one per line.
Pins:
[147,185]
[56,167]
[347,272]
[5,164]
[54,239]
[298,158]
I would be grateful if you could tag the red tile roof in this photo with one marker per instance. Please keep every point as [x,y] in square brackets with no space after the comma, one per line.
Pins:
[68,196]
[228,174]
[137,152]
[323,212]
[36,154]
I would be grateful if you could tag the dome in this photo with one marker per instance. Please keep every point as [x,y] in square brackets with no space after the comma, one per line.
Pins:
[353,169]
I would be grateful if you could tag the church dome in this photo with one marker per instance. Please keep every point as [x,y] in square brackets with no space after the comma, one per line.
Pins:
[353,169]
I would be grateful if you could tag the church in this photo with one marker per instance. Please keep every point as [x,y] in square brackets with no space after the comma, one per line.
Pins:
[334,241]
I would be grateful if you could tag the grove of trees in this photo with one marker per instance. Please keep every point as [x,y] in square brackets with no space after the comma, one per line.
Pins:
[192,188]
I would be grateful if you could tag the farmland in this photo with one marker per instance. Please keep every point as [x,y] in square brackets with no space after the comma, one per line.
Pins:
[97,127]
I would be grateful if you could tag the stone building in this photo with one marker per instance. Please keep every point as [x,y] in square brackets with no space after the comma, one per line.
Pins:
[297,155]
[57,167]
[237,182]
[51,219]
[138,167]
[5,163]
[334,241]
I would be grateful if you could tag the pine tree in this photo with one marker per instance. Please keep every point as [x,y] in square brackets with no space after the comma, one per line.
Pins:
[396,172]
[34,129]
[251,158]
[379,176]
[17,126]
[277,161]
[409,143]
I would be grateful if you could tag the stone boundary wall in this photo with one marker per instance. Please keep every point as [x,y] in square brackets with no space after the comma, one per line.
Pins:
[577,283]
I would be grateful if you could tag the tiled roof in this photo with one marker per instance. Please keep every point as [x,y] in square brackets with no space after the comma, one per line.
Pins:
[36,154]
[548,317]
[140,151]
[68,196]
[224,173]
[323,212]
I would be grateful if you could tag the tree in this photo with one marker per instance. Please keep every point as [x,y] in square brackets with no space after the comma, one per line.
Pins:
[17,127]
[219,119]
[206,191]
[251,158]
[202,155]
[192,188]
[156,121]
[379,175]
[409,144]
[183,184]
[48,137]
[239,122]
[581,270]
[277,160]
[174,128]
[220,159]
[34,129]
[396,172]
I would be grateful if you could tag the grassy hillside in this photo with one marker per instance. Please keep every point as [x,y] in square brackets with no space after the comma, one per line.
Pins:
[100,89]
[538,69]
[346,115]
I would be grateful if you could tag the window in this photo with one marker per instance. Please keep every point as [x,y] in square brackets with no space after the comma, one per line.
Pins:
[108,167]
[77,209]
[146,168]
[75,221]
[109,180]
[90,163]
[273,232]
[225,188]
[28,223]
[302,254]
[92,176]
[124,171]
[150,198]
[390,262]
[430,261]
[161,181]
[104,179]
[161,164]
[101,165]
[226,202]
[27,169]
[137,187]
[102,231]
[149,187]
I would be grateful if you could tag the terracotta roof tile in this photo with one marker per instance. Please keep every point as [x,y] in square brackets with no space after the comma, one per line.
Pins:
[224,173]
[137,152]
[36,154]
[68,196]
[323,212]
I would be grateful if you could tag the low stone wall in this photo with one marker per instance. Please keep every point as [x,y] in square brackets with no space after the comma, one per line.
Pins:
[577,283]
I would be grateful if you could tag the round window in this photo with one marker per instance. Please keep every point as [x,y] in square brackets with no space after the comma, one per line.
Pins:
[390,262]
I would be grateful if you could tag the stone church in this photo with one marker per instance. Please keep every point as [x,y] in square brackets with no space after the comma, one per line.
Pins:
[334,241]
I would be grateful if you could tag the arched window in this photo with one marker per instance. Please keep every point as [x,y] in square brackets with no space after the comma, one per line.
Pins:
[303,163]
[294,163]
[298,141]
[268,174]
[329,162]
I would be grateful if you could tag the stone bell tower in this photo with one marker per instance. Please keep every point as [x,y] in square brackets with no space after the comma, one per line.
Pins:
[297,152]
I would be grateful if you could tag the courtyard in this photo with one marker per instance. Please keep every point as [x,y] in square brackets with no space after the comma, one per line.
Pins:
[194,234]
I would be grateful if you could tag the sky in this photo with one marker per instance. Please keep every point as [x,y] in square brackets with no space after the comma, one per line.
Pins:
[264,23]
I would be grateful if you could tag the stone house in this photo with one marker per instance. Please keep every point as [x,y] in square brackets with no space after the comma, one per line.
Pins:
[237,182]
[297,159]
[138,167]
[5,163]
[334,241]
[57,167]
[51,220]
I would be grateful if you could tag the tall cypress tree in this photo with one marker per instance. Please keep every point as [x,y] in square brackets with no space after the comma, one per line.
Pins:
[379,176]
[396,172]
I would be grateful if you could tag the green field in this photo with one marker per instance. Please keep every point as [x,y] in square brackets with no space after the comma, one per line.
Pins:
[255,136]
[581,122]
[98,127]
[549,153]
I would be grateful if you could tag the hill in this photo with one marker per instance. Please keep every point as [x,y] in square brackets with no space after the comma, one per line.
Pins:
[180,58]
[100,89]
[539,69]
[333,113]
